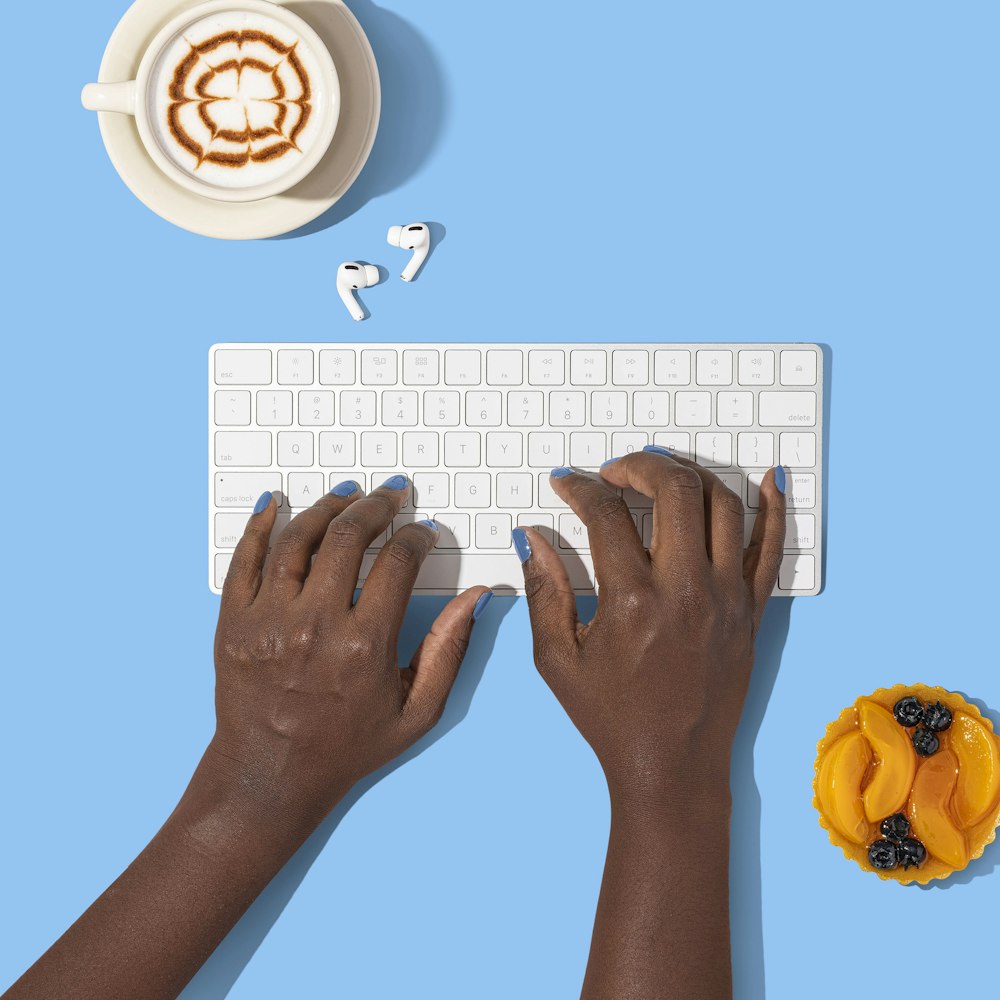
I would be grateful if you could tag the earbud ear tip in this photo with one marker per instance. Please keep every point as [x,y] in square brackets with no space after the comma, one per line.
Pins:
[371,274]
[395,235]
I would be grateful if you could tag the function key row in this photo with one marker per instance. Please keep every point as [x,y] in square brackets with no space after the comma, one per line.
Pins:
[471,367]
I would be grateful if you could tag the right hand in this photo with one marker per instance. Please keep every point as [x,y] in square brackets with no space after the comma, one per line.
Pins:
[656,681]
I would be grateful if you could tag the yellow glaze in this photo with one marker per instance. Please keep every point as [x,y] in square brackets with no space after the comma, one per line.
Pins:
[866,770]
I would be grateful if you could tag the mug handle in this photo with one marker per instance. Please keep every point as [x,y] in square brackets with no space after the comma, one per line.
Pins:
[118,97]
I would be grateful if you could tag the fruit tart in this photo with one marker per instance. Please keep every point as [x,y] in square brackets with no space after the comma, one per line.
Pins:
[908,782]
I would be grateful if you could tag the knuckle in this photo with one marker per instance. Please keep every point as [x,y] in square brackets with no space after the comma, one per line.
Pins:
[682,484]
[345,532]
[729,502]
[403,549]
[609,507]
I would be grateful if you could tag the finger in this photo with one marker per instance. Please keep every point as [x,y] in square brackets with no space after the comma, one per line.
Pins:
[678,497]
[762,559]
[390,582]
[338,563]
[243,579]
[615,545]
[551,600]
[435,664]
[292,553]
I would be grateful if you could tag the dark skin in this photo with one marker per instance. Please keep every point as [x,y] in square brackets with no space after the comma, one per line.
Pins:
[310,699]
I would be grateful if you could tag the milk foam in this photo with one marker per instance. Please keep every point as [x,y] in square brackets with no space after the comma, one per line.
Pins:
[236,99]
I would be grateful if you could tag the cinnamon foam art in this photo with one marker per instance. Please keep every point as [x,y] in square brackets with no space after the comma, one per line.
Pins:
[238,98]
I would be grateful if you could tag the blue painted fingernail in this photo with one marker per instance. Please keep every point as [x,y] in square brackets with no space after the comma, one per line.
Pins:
[521,544]
[345,489]
[779,478]
[480,607]
[608,462]
[655,449]
[561,472]
[396,483]
[265,499]
[430,524]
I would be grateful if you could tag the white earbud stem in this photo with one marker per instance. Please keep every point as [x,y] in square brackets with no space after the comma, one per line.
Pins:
[415,237]
[350,277]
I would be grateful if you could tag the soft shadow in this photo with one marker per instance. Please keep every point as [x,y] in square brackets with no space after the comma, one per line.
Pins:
[414,109]
[217,976]
[827,351]
[745,899]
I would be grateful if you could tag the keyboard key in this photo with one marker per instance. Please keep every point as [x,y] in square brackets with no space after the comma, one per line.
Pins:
[524,409]
[609,409]
[399,409]
[472,489]
[546,495]
[316,408]
[715,367]
[542,523]
[336,367]
[692,409]
[504,450]
[378,449]
[627,442]
[295,448]
[514,489]
[234,448]
[567,409]
[229,528]
[462,368]
[756,368]
[420,367]
[482,409]
[243,367]
[755,449]
[378,367]
[672,367]
[679,442]
[295,367]
[430,489]
[787,409]
[572,533]
[493,531]
[800,531]
[455,532]
[587,450]
[798,367]
[336,448]
[735,409]
[630,367]
[420,450]
[546,450]
[305,488]
[797,450]
[797,573]
[442,409]
[339,476]
[588,367]
[357,408]
[733,480]
[232,408]
[650,409]
[274,409]
[546,367]
[243,489]
[461,449]
[800,490]
[504,367]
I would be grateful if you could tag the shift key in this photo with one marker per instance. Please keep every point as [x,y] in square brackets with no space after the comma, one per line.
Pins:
[242,448]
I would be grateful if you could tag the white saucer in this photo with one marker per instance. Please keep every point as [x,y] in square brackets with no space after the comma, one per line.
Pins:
[361,98]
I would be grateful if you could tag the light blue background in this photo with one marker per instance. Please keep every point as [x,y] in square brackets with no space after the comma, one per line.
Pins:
[686,171]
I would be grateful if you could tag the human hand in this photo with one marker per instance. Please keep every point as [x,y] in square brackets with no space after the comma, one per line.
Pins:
[656,681]
[309,694]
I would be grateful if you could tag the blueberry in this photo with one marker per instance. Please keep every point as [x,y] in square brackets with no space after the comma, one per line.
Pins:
[895,827]
[925,742]
[937,718]
[908,711]
[882,855]
[911,853]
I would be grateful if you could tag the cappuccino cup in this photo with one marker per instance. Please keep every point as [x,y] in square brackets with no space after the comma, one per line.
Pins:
[234,100]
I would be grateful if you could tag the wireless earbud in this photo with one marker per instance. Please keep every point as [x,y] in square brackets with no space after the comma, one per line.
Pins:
[415,237]
[350,277]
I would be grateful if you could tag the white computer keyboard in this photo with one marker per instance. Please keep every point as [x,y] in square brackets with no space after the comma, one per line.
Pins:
[478,427]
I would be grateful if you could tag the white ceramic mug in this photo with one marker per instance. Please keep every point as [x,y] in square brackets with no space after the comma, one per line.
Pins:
[135,97]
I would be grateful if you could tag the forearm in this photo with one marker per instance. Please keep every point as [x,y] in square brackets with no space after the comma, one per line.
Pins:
[662,925]
[148,934]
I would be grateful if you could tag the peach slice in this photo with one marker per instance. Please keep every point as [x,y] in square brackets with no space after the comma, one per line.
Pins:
[839,785]
[933,789]
[895,761]
[978,768]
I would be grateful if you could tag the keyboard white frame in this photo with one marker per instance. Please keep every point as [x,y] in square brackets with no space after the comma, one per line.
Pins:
[511,583]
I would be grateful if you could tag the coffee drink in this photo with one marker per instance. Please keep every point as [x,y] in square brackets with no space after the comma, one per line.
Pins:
[236,99]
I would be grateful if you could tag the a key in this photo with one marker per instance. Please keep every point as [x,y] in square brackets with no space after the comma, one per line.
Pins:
[513,489]
[567,409]
[378,449]
[420,449]
[540,522]
[378,367]
[734,480]
[524,409]
[472,489]
[572,533]
[679,442]
[735,409]
[798,367]
[232,408]
[399,409]
[755,449]
[715,367]
[430,489]
[756,368]
[547,496]
[504,450]
[650,409]
[229,527]
[627,442]
[714,449]
[441,408]
[797,573]
[588,367]
[800,490]
[461,449]
[420,367]
[800,531]
[493,531]
[671,367]
[274,408]
[295,367]
[239,367]
[482,409]
[587,450]
[787,409]
[316,408]
[336,367]
[504,367]
[336,448]
[546,367]
[462,368]
[243,489]
[455,533]
[797,450]
[304,488]
[357,408]
[449,572]
[295,448]
[546,450]
[647,530]
[609,409]
[692,409]
[630,367]
[339,476]
[250,448]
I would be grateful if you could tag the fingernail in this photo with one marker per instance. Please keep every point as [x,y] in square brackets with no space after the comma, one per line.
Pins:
[779,478]
[345,489]
[560,472]
[655,449]
[433,525]
[521,544]
[265,499]
[608,462]
[480,607]
[396,483]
